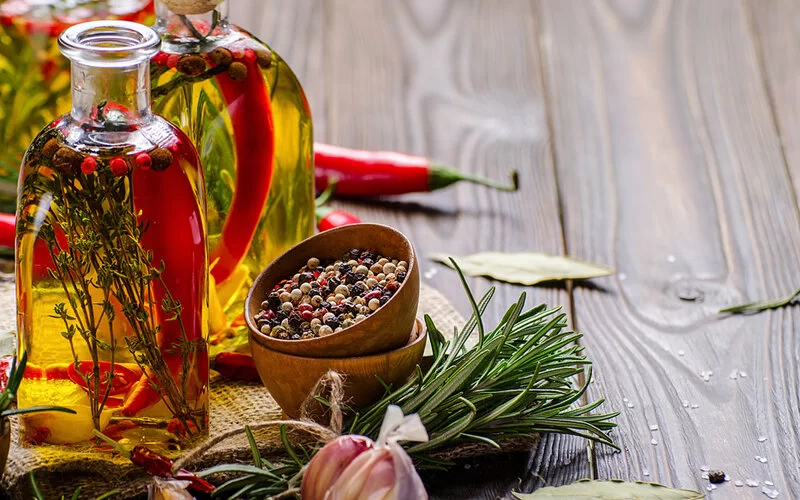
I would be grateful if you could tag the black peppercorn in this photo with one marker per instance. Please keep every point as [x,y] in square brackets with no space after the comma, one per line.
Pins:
[367,262]
[274,301]
[325,305]
[281,315]
[351,277]
[384,299]
[305,278]
[344,268]
[357,290]
[296,337]
[315,292]
[355,253]
[295,320]
[401,276]
[716,476]
[333,282]
[333,323]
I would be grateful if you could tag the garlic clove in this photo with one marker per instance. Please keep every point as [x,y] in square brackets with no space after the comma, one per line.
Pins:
[327,465]
[408,484]
[351,484]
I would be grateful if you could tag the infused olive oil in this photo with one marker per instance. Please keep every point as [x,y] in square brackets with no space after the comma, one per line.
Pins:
[111,257]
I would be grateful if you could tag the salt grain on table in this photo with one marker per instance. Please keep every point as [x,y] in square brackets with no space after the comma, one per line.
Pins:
[738,484]
[751,483]
[769,483]
[770,492]
[681,352]
[761,439]
[705,468]
[653,427]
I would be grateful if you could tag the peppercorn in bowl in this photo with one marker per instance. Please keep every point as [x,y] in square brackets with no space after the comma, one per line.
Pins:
[350,291]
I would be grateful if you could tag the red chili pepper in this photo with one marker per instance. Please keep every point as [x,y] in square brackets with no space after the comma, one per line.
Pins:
[5,370]
[156,194]
[159,465]
[375,173]
[329,218]
[236,366]
[124,377]
[8,228]
[254,132]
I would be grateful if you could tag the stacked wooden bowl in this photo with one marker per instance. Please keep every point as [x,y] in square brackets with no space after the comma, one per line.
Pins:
[382,349]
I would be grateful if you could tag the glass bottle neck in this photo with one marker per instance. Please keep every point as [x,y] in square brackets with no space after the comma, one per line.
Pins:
[111,96]
[199,28]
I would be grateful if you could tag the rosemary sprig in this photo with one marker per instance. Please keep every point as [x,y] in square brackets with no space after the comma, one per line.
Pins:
[755,307]
[517,382]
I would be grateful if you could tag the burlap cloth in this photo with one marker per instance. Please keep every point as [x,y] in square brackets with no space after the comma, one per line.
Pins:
[59,471]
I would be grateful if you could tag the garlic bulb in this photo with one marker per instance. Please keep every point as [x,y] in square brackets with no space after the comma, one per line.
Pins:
[191,7]
[354,467]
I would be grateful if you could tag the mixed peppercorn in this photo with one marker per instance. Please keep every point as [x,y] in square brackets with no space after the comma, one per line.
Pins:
[324,298]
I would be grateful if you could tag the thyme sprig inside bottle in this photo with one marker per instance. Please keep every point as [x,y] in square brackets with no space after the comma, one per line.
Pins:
[111,256]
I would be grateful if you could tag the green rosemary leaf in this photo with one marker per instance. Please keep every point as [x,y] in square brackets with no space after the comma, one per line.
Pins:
[525,268]
[475,312]
[608,490]
[76,494]
[37,494]
[253,446]
[755,307]
[237,468]
[443,437]
[288,446]
[108,495]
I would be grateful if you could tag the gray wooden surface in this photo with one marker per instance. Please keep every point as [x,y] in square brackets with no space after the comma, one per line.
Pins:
[658,137]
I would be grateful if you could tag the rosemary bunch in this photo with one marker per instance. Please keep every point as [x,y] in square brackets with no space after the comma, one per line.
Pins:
[515,382]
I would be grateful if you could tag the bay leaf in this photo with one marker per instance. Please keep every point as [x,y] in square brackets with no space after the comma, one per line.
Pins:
[586,489]
[524,268]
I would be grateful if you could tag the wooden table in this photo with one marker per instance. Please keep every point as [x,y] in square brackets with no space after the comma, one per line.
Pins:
[658,137]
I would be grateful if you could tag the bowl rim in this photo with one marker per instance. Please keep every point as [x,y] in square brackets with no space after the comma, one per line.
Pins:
[419,326]
[412,262]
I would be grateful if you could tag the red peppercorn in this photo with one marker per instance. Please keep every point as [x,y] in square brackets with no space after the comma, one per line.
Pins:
[307,315]
[119,166]
[160,58]
[320,312]
[305,307]
[270,314]
[144,161]
[249,55]
[88,165]
[372,295]
[173,60]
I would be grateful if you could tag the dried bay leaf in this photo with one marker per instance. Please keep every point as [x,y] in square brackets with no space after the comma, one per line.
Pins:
[524,268]
[586,489]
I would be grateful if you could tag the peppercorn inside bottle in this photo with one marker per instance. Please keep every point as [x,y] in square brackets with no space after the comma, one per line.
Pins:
[324,298]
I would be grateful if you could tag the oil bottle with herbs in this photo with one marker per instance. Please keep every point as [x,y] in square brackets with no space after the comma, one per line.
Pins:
[34,78]
[245,110]
[111,256]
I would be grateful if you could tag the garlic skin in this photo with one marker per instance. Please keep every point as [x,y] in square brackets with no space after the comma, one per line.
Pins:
[329,463]
[169,489]
[191,7]
[353,467]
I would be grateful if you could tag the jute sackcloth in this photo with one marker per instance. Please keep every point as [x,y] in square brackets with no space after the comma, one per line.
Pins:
[60,470]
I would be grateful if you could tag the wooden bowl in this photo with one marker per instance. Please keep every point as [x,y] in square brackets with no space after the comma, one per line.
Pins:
[290,379]
[386,329]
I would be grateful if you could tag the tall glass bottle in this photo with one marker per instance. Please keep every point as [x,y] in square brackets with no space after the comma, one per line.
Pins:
[34,78]
[245,110]
[111,256]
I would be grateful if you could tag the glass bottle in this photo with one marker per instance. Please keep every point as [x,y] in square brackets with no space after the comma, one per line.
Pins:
[244,109]
[111,256]
[34,78]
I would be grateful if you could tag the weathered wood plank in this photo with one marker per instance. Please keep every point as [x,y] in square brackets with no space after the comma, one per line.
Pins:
[670,168]
[459,81]
[778,38]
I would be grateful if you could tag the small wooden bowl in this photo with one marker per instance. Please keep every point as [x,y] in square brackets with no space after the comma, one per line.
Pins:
[290,379]
[386,329]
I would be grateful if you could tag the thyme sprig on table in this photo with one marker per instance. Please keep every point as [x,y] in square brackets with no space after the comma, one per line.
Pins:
[516,381]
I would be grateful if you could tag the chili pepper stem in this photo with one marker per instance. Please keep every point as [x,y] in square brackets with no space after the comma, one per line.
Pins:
[114,444]
[441,176]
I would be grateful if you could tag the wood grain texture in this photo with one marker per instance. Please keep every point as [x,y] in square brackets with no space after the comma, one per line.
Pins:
[670,169]
[777,35]
[459,81]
